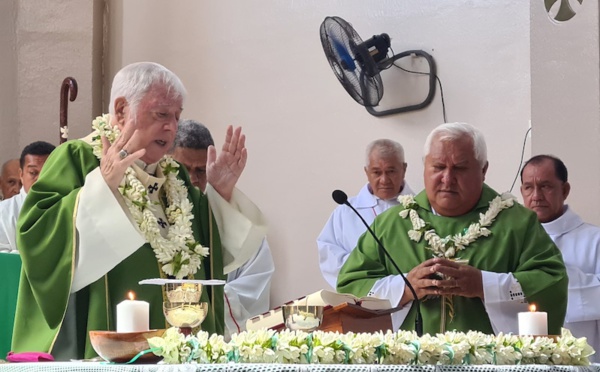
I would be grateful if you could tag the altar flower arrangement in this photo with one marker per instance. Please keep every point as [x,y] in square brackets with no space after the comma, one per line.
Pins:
[402,347]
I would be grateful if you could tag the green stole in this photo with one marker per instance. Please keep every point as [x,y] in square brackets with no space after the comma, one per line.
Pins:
[518,245]
[47,243]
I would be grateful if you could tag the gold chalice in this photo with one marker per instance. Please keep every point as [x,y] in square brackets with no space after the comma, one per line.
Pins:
[302,317]
[183,308]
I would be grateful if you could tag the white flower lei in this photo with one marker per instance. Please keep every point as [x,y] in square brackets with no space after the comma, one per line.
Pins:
[179,254]
[401,347]
[449,246]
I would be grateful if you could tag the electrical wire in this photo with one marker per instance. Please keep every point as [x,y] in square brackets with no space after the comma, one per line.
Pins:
[520,161]
[445,119]
[428,74]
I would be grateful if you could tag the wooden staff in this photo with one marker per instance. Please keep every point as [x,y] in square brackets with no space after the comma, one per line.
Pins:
[69,86]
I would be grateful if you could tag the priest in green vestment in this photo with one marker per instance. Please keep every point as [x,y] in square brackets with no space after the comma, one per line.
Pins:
[474,258]
[112,209]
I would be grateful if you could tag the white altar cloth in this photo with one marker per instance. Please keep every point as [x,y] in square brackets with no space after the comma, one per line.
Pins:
[269,367]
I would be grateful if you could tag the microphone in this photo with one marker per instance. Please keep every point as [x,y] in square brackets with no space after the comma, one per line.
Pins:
[340,197]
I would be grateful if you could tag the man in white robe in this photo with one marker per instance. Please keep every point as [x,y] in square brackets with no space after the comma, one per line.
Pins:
[247,292]
[545,188]
[385,170]
[32,159]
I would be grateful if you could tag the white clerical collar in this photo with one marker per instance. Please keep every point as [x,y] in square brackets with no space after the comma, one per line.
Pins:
[566,222]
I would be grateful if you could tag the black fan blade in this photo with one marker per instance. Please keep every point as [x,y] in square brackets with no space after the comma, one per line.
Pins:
[351,61]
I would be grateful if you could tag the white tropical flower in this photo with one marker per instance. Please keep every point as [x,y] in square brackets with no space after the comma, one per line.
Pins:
[414,235]
[402,347]
[174,245]
[449,246]
[64,132]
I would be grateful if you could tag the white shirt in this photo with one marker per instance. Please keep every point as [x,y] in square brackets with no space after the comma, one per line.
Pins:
[341,232]
[9,213]
[579,243]
[247,292]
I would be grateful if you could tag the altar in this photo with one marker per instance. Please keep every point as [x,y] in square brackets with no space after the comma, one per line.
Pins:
[271,367]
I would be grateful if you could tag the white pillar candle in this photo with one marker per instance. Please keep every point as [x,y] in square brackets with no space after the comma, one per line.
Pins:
[533,323]
[133,316]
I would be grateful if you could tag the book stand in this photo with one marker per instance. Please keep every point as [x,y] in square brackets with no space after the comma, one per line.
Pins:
[349,317]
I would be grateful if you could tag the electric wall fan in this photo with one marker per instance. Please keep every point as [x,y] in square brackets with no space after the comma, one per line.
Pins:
[358,64]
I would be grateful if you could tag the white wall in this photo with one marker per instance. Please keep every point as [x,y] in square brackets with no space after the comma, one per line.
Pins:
[565,107]
[260,64]
[42,43]
[8,66]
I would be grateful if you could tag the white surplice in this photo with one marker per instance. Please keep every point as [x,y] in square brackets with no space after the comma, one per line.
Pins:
[247,292]
[107,234]
[341,232]
[579,243]
[9,213]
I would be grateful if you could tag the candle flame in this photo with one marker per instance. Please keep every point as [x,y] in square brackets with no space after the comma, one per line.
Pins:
[131,295]
[532,307]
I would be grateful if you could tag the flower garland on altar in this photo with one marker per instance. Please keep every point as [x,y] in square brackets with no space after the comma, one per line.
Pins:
[178,252]
[402,347]
[450,245]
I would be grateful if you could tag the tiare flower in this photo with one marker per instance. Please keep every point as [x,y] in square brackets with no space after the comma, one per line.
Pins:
[402,347]
[171,250]
[451,245]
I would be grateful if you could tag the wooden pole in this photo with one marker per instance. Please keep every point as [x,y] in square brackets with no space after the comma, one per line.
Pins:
[68,89]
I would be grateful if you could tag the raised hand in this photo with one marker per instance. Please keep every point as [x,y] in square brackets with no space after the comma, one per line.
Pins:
[224,170]
[116,159]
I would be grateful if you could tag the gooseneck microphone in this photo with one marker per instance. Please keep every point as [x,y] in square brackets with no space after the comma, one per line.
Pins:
[340,197]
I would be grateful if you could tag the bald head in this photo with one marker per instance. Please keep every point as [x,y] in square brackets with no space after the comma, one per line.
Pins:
[10,182]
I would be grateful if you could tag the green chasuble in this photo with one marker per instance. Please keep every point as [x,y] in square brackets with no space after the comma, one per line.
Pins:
[47,241]
[518,244]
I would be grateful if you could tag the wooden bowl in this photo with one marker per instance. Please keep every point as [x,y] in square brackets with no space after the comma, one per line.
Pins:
[121,347]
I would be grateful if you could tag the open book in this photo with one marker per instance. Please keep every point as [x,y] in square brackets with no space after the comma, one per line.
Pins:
[274,318]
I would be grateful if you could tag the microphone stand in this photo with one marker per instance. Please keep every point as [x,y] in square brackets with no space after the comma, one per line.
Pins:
[419,317]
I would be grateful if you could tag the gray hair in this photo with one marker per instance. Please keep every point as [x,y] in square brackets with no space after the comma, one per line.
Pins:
[386,149]
[449,132]
[135,80]
[194,135]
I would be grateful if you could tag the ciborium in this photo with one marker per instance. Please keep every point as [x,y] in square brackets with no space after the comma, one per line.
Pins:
[182,307]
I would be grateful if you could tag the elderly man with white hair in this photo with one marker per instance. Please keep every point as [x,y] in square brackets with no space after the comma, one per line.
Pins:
[507,259]
[385,168]
[113,209]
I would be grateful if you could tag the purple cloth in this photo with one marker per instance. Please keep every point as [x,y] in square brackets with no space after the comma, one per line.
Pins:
[29,357]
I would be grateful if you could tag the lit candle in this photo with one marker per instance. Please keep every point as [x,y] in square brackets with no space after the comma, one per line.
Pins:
[132,315]
[533,323]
